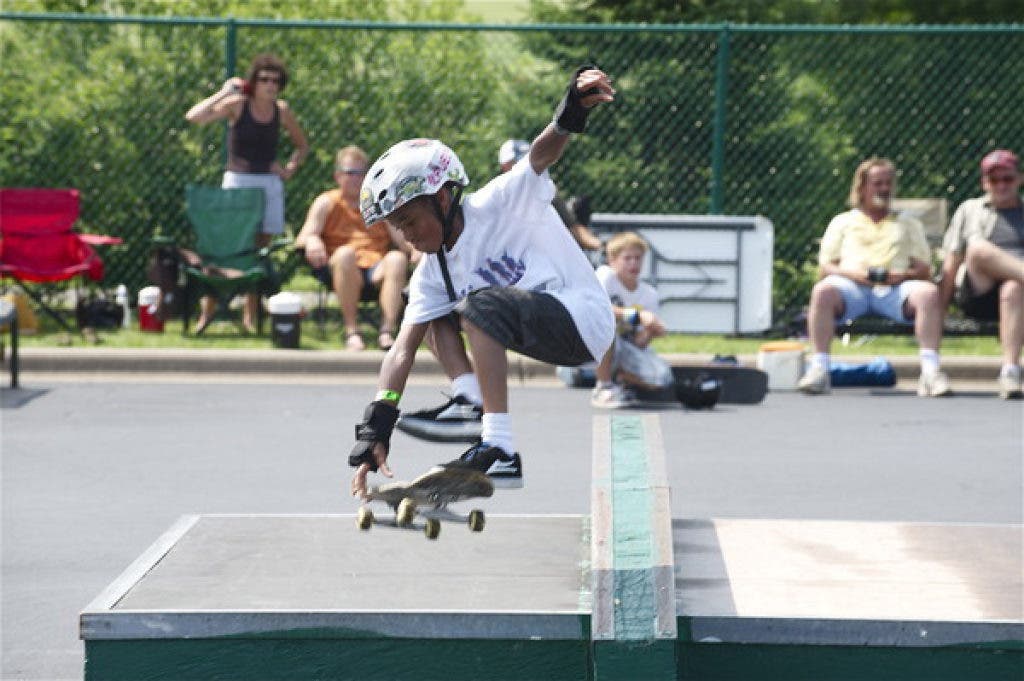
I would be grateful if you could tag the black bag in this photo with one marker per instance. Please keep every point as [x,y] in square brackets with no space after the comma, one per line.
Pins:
[98,313]
[164,271]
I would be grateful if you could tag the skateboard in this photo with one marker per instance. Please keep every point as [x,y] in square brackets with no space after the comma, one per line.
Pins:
[740,385]
[428,496]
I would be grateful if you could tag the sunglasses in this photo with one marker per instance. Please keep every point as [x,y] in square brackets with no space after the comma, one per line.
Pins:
[351,171]
[268,79]
[999,179]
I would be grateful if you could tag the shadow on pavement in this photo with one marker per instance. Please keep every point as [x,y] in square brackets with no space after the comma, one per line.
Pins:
[12,398]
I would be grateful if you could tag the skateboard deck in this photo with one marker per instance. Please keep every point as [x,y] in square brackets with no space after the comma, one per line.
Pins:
[428,497]
[740,385]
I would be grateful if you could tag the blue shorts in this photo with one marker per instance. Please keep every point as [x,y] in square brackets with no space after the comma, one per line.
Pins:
[324,276]
[886,301]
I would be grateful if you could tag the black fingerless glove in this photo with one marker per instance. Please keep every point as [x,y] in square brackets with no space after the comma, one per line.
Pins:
[571,115]
[378,423]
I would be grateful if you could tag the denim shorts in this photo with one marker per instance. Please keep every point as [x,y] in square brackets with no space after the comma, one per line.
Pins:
[529,322]
[886,301]
[642,363]
[325,276]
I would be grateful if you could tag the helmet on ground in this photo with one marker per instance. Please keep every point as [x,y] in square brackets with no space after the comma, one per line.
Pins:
[699,392]
[513,150]
[411,168]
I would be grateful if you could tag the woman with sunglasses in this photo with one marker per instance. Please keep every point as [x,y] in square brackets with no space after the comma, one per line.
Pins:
[255,115]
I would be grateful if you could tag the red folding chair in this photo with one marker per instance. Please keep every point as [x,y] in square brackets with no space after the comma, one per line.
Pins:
[38,245]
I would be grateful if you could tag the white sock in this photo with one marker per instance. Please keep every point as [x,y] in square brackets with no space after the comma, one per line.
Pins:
[604,385]
[819,359]
[467,386]
[1011,370]
[929,361]
[497,431]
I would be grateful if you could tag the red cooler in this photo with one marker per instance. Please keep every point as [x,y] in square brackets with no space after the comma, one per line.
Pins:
[149,302]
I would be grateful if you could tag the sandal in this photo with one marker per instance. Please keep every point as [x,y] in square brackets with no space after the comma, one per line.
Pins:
[354,342]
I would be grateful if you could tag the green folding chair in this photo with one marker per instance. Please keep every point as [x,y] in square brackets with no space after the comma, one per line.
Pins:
[225,222]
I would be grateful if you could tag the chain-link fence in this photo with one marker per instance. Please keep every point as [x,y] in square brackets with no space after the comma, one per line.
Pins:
[739,120]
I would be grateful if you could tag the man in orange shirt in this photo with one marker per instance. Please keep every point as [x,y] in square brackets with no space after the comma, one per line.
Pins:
[346,255]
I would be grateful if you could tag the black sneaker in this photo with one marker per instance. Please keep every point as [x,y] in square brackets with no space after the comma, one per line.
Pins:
[457,420]
[504,470]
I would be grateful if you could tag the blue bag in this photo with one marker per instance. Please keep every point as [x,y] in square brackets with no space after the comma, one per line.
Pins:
[877,372]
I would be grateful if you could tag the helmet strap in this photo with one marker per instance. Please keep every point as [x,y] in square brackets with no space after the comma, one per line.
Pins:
[447,226]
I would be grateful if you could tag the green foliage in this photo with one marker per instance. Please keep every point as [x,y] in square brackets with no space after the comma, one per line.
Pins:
[793,11]
[100,105]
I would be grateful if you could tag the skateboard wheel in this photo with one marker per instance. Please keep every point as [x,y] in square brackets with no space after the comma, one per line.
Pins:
[476,520]
[432,528]
[364,518]
[405,513]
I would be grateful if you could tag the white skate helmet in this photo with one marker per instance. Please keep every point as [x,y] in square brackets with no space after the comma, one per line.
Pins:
[411,168]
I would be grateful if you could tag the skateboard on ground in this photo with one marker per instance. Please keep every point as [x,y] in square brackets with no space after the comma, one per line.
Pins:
[428,497]
[740,385]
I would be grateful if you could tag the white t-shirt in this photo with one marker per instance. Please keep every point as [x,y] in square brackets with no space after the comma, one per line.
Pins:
[513,237]
[644,297]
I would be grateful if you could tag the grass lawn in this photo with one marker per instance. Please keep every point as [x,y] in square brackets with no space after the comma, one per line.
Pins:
[226,334]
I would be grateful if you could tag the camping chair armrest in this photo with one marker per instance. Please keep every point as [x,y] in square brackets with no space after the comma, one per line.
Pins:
[274,245]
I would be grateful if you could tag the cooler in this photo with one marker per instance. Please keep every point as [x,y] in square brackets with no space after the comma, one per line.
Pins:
[149,305]
[285,319]
[783,361]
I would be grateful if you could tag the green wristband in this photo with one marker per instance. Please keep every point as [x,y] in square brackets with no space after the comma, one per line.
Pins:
[389,395]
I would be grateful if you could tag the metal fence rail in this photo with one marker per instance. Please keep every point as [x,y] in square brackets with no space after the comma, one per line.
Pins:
[743,120]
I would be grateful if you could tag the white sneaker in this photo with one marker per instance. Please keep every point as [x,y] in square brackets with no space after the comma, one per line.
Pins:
[1010,387]
[612,397]
[933,384]
[815,381]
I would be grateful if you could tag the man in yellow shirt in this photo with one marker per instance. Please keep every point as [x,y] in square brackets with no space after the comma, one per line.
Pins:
[873,261]
[346,255]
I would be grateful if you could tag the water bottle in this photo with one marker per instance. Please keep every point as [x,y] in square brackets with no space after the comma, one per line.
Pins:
[121,298]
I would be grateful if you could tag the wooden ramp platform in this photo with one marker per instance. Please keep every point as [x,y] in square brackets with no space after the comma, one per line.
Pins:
[625,593]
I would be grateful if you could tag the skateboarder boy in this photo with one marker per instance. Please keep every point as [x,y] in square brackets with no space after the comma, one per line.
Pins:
[502,260]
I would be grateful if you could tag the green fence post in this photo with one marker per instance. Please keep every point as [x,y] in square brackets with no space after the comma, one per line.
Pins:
[718,133]
[230,56]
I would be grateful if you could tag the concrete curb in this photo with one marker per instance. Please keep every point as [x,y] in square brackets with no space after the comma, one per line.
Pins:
[341,362]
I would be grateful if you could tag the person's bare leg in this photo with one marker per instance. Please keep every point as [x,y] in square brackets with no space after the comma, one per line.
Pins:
[347,281]
[603,372]
[925,307]
[207,309]
[491,366]
[444,340]
[988,264]
[389,278]
[825,307]
[251,307]
[1011,321]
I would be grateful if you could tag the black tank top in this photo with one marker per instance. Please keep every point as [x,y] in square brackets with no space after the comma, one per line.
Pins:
[252,146]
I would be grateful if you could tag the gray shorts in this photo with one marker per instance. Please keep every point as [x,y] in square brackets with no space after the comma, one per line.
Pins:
[531,323]
[273,195]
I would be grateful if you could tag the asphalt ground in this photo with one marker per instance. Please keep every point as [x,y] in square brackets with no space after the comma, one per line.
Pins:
[96,465]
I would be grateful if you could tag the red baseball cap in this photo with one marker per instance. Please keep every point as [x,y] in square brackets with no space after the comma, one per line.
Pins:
[1000,158]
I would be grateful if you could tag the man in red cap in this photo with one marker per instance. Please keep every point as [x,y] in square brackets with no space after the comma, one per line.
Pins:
[984,262]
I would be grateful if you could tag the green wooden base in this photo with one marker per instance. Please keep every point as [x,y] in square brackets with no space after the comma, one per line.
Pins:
[336,660]
[731,662]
